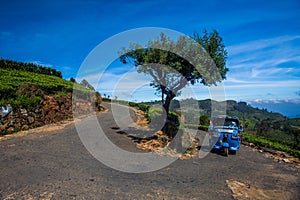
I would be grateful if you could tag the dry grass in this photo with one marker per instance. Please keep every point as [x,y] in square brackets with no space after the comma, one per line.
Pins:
[160,142]
[42,196]
[242,191]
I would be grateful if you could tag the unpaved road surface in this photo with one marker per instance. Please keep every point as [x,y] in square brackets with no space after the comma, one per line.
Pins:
[56,165]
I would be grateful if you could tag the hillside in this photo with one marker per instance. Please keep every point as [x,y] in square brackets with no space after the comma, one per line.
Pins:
[12,78]
[33,95]
[262,127]
[250,116]
[30,67]
[244,111]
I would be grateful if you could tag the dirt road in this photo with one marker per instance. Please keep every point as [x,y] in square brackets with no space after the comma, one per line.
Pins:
[56,165]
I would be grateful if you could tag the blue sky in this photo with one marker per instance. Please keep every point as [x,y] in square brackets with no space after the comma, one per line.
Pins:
[262,39]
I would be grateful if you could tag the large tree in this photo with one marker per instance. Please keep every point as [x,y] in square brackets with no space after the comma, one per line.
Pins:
[174,64]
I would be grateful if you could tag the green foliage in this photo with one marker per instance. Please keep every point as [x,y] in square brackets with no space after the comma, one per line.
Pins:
[155,114]
[195,126]
[263,142]
[24,88]
[22,101]
[143,107]
[27,102]
[166,62]
[155,111]
[29,67]
[295,122]
[72,80]
[106,99]
[214,46]
[140,106]
[173,117]
[204,120]
[10,81]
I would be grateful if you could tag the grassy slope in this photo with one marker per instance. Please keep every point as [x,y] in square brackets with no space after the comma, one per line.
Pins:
[11,79]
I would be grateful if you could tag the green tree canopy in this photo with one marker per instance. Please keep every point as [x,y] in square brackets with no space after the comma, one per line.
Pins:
[30,67]
[174,64]
[73,80]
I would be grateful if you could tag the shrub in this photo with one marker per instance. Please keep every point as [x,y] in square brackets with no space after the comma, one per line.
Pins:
[173,117]
[204,120]
[27,102]
[144,107]
[195,126]
[104,99]
[263,142]
[155,115]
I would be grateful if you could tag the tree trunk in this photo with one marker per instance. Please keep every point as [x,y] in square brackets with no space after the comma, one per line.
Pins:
[163,90]
[166,128]
[167,102]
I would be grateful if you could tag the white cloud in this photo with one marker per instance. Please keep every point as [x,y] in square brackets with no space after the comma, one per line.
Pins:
[256,72]
[37,62]
[268,58]
[261,67]
[276,101]
[259,44]
[271,59]
[232,80]
[123,85]
[261,84]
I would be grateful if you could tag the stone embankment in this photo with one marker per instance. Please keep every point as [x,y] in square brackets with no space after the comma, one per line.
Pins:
[52,109]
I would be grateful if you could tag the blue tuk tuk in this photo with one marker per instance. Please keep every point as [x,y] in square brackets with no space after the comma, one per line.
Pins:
[225,134]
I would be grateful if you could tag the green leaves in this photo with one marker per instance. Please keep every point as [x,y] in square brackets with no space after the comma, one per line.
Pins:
[15,85]
[29,67]
[12,79]
[201,61]
[263,142]
[174,64]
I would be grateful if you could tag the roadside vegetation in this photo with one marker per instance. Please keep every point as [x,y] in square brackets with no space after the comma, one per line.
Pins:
[32,95]
[29,67]
[261,141]
[262,128]
[25,84]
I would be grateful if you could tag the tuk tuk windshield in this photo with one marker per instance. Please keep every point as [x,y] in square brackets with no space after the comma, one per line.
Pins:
[225,123]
